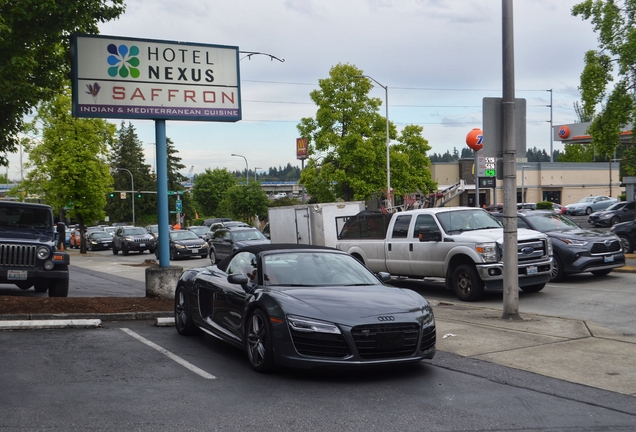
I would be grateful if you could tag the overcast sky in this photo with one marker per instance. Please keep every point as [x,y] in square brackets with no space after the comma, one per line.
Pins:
[439,58]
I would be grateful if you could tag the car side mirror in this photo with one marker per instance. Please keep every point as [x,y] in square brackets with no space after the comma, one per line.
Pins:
[384,276]
[238,279]
[426,235]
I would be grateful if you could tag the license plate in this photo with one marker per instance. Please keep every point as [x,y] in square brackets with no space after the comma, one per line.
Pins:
[142,244]
[195,250]
[530,270]
[17,275]
[609,258]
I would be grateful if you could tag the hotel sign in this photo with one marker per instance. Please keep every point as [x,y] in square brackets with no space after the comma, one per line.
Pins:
[127,78]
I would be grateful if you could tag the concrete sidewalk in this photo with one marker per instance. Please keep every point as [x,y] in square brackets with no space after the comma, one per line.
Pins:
[568,349]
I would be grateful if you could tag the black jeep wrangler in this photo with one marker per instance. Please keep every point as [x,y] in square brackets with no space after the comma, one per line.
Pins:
[28,249]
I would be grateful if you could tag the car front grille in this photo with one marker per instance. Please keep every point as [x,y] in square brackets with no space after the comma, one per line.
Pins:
[602,248]
[142,240]
[380,341]
[528,250]
[320,344]
[17,255]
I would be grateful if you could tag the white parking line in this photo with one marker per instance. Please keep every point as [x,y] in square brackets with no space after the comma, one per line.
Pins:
[174,357]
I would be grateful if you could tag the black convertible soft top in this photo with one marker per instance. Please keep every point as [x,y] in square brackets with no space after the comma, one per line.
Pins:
[257,249]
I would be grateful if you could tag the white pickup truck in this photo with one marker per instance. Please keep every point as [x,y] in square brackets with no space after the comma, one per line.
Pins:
[463,245]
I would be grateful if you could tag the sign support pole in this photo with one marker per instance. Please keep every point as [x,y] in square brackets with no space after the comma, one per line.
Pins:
[162,193]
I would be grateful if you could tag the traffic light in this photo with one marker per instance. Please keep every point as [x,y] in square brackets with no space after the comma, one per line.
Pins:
[112,194]
[138,194]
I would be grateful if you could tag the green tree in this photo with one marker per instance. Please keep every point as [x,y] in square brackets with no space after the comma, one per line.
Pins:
[347,142]
[209,189]
[127,154]
[608,81]
[71,151]
[244,202]
[34,54]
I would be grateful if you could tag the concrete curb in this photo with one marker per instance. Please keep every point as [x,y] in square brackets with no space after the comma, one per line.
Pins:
[50,324]
[125,316]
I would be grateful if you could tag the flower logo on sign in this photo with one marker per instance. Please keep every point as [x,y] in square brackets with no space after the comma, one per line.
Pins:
[123,61]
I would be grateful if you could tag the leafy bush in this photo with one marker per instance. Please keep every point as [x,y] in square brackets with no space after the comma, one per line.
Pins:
[544,205]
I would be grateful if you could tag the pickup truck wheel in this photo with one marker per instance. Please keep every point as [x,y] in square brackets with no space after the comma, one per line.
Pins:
[533,288]
[467,284]
[557,274]
[58,288]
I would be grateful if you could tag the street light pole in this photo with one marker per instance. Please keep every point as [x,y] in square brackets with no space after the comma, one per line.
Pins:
[247,168]
[388,160]
[132,191]
[523,177]
[256,168]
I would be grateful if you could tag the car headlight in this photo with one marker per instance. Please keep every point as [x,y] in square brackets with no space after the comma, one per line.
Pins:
[178,246]
[488,251]
[429,318]
[310,325]
[93,242]
[128,239]
[606,216]
[43,252]
[573,242]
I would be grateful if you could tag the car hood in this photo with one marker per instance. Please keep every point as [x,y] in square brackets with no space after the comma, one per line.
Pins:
[240,244]
[579,233]
[604,212]
[493,234]
[349,305]
[189,242]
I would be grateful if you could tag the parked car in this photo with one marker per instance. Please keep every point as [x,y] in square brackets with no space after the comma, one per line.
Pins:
[209,222]
[98,240]
[558,208]
[305,306]
[576,250]
[154,230]
[185,243]
[133,239]
[225,241]
[231,223]
[626,232]
[619,212]
[110,230]
[279,195]
[200,231]
[67,239]
[589,205]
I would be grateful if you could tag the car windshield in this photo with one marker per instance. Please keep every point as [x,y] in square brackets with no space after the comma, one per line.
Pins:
[25,217]
[183,235]
[248,235]
[199,229]
[135,231]
[587,200]
[617,206]
[550,222]
[467,220]
[313,268]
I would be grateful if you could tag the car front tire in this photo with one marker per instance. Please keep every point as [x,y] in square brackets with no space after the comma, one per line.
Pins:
[212,256]
[124,250]
[115,250]
[466,283]
[557,274]
[259,342]
[588,211]
[628,247]
[58,288]
[182,315]
[603,272]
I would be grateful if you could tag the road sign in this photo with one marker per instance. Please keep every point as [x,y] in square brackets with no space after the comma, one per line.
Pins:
[487,182]
[122,195]
[179,206]
[170,192]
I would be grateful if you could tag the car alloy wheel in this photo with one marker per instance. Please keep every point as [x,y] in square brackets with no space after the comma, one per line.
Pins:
[615,220]
[182,317]
[588,211]
[212,256]
[259,342]
[557,274]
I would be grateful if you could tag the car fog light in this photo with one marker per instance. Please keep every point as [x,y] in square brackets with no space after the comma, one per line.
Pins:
[49,265]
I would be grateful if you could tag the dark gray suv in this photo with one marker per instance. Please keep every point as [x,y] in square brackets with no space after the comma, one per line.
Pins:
[576,250]
[128,239]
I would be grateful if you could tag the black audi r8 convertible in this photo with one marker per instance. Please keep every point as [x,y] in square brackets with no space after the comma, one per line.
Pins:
[304,306]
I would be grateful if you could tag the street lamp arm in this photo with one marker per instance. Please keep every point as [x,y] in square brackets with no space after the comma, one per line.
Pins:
[247,167]
[249,54]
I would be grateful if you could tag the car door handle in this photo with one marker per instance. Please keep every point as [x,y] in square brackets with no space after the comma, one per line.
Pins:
[410,247]
[389,245]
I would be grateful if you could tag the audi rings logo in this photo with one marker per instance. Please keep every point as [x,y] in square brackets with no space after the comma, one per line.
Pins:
[386,318]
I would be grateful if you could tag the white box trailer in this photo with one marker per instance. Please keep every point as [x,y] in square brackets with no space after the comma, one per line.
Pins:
[313,224]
